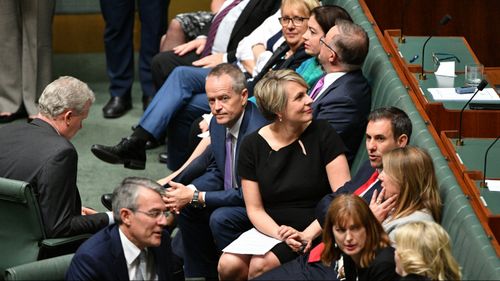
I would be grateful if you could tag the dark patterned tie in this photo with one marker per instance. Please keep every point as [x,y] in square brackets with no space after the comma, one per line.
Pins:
[214,26]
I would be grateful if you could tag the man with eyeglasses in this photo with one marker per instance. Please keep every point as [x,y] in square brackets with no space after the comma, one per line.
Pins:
[137,247]
[343,95]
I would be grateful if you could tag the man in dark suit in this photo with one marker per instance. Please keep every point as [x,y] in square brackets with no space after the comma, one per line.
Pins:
[343,95]
[216,193]
[40,152]
[135,248]
[388,128]
[199,53]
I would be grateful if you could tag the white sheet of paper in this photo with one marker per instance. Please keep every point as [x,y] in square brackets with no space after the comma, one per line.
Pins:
[445,81]
[446,68]
[449,94]
[252,242]
[493,185]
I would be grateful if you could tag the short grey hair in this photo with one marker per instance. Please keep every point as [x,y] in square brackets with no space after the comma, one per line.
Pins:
[239,79]
[125,195]
[351,44]
[62,94]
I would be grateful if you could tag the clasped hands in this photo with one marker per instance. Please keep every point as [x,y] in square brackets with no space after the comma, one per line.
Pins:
[177,196]
[298,241]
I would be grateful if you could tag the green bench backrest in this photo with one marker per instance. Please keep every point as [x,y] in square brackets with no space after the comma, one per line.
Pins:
[471,246]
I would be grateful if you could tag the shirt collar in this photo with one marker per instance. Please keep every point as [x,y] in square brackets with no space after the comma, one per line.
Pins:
[235,129]
[130,250]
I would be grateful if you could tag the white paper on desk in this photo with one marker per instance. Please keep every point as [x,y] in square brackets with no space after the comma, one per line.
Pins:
[493,185]
[445,81]
[252,242]
[450,94]
[446,68]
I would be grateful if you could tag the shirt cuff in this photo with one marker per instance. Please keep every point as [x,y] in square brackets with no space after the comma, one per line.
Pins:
[111,218]
[202,193]
[224,58]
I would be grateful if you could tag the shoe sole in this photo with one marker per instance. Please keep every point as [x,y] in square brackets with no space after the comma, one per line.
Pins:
[113,159]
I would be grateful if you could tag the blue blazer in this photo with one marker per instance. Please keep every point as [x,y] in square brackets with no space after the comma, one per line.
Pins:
[346,105]
[364,173]
[101,257]
[212,180]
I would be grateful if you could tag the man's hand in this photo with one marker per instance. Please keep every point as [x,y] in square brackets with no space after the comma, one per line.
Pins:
[210,61]
[88,211]
[177,196]
[197,45]
[382,208]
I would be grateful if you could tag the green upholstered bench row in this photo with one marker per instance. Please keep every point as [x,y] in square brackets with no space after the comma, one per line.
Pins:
[471,246]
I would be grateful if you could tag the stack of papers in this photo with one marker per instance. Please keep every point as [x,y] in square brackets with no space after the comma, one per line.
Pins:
[449,94]
[252,242]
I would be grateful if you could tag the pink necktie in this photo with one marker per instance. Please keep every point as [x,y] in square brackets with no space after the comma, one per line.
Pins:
[214,26]
[228,167]
[317,88]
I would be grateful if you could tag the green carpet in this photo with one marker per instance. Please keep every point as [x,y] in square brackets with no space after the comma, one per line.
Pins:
[94,176]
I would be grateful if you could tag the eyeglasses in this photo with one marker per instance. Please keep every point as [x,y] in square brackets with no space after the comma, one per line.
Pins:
[322,41]
[297,21]
[439,57]
[156,214]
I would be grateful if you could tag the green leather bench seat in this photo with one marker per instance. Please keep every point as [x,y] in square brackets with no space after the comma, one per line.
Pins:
[471,246]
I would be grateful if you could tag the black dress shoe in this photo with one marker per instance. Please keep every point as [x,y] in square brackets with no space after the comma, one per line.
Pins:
[116,107]
[163,157]
[130,152]
[106,200]
[21,113]
[146,100]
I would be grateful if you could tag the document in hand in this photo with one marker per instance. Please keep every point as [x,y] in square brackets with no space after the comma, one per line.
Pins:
[449,94]
[252,242]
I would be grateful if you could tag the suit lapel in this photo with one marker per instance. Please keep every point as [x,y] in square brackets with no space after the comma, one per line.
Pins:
[119,262]
[245,14]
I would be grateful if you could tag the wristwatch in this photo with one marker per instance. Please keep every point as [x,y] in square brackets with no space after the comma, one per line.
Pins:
[194,202]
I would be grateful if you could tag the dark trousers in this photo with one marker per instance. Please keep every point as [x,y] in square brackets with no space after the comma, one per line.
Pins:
[118,41]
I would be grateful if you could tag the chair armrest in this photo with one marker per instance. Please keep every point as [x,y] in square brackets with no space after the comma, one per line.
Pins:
[58,242]
[48,269]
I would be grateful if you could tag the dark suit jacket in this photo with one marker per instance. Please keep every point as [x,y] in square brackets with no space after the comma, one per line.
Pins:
[35,153]
[212,180]
[346,105]
[277,61]
[255,12]
[364,173]
[101,257]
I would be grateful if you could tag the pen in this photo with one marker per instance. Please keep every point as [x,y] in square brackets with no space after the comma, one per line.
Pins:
[415,57]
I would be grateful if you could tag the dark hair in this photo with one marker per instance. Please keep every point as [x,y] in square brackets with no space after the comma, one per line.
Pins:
[239,80]
[328,14]
[343,208]
[400,122]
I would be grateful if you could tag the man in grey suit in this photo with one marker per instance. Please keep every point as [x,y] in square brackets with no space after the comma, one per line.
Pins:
[40,152]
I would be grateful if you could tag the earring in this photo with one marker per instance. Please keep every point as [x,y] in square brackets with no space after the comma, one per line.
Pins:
[281,119]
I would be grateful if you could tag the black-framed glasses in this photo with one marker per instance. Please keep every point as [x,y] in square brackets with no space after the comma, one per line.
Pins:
[155,214]
[322,41]
[297,21]
[439,57]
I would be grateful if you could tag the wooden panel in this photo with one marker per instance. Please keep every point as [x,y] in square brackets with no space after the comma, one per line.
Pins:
[476,20]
